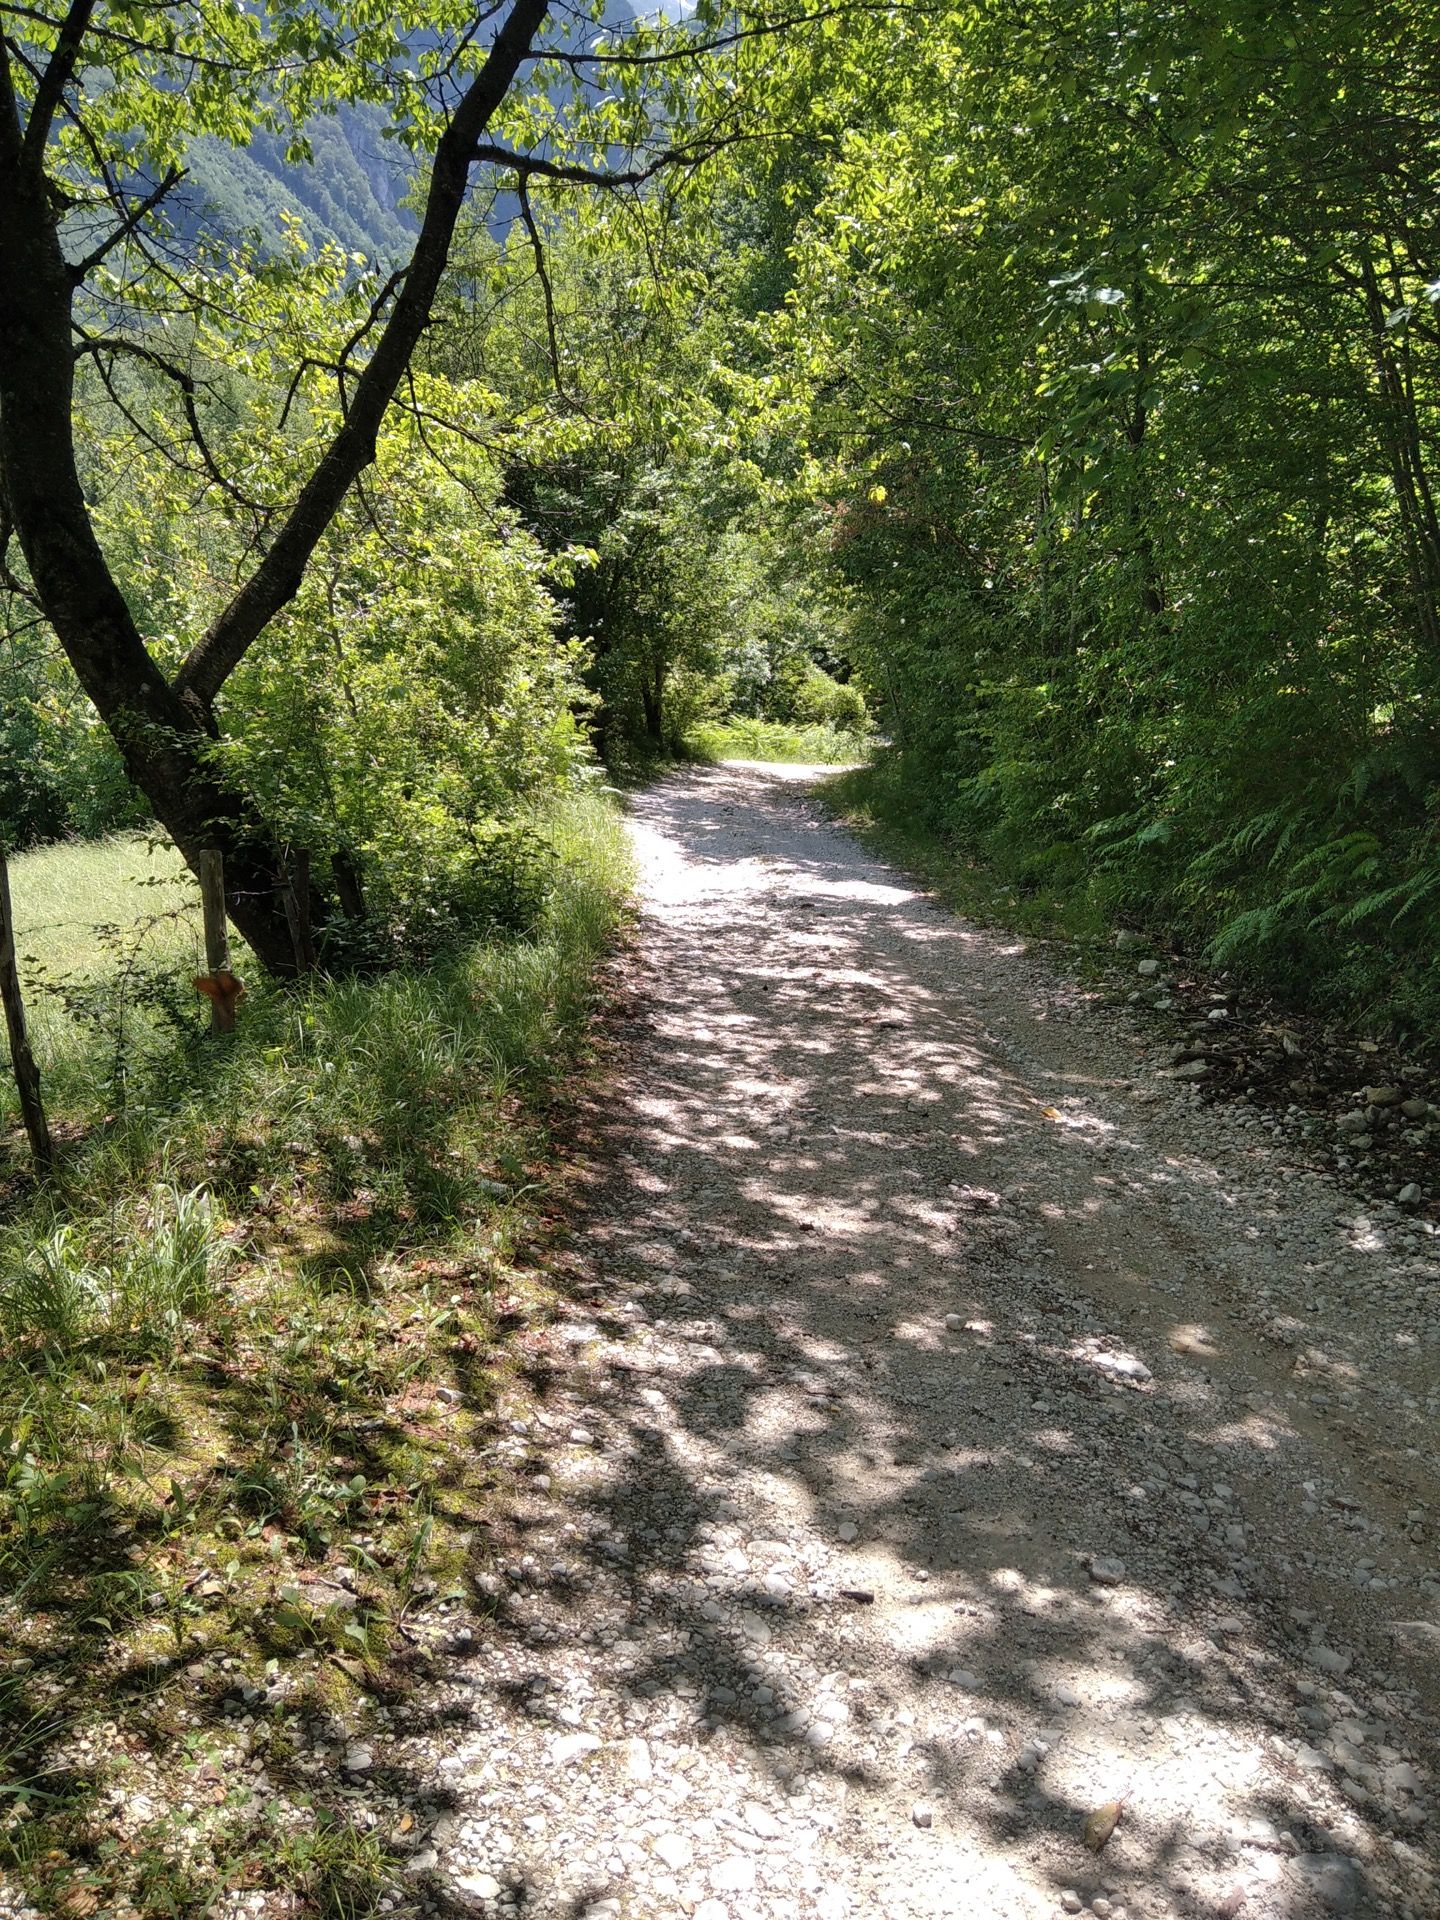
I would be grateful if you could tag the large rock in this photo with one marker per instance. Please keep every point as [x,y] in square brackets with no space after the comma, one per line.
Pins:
[1329,1879]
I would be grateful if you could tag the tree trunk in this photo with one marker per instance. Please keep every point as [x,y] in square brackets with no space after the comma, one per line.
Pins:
[165,731]
[164,742]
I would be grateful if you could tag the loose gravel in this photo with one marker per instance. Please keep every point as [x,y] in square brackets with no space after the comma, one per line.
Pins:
[959,1444]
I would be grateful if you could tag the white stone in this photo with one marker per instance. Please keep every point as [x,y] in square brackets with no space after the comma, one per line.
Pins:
[733,1875]
[761,1821]
[479,1886]
[1105,1571]
[573,1746]
[1121,1366]
[675,1850]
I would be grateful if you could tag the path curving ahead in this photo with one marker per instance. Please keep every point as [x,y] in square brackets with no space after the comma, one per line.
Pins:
[927,1458]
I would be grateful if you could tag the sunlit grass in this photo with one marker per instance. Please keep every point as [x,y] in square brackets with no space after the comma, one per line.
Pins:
[131,887]
[737,739]
[248,1330]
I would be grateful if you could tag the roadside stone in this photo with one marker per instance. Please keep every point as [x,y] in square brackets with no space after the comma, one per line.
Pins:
[635,1761]
[1106,1571]
[1328,1660]
[478,1886]
[574,1746]
[675,1850]
[1328,1878]
[1122,1366]
[761,1821]
[922,1815]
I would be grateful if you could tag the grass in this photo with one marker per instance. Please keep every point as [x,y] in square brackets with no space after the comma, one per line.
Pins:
[736,739]
[892,813]
[97,924]
[249,1338]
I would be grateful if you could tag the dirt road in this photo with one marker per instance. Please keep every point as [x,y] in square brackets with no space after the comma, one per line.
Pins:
[957,1429]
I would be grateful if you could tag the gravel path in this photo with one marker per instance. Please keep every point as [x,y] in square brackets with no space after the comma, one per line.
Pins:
[954,1428]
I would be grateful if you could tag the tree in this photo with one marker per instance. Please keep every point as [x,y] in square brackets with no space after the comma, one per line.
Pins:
[97,105]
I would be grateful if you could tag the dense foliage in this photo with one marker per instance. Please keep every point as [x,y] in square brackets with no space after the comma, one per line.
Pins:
[1113,334]
[1067,381]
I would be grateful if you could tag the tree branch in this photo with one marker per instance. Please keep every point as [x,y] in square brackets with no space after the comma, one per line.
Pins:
[542,273]
[722,42]
[277,579]
[56,77]
[83,268]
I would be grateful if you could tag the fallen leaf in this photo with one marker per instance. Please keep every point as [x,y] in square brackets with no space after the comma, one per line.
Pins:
[76,1902]
[1052,1113]
[1100,1824]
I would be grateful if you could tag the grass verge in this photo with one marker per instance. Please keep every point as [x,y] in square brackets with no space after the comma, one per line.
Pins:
[247,1342]
[889,809]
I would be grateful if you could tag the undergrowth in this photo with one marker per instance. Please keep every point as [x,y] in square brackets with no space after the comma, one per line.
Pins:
[741,739]
[894,809]
[1339,918]
[246,1338]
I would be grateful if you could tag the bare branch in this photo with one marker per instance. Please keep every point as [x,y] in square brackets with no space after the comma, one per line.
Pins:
[542,273]
[95,346]
[138,212]
[722,42]
[691,154]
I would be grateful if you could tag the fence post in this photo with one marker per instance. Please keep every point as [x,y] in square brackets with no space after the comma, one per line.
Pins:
[297,907]
[218,984]
[27,1074]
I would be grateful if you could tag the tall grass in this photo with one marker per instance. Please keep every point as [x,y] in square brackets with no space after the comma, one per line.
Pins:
[267,1266]
[739,739]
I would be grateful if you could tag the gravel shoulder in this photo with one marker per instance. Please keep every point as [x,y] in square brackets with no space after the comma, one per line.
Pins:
[951,1429]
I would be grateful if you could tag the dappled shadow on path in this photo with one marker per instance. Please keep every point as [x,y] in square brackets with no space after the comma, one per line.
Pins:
[902,1460]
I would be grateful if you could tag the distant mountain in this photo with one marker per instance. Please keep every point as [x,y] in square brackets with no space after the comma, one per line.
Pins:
[351,193]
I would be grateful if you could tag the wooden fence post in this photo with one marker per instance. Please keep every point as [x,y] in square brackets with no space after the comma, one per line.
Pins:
[27,1074]
[297,907]
[218,983]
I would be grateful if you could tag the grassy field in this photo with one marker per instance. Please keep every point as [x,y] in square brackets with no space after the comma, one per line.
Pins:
[96,920]
[249,1338]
